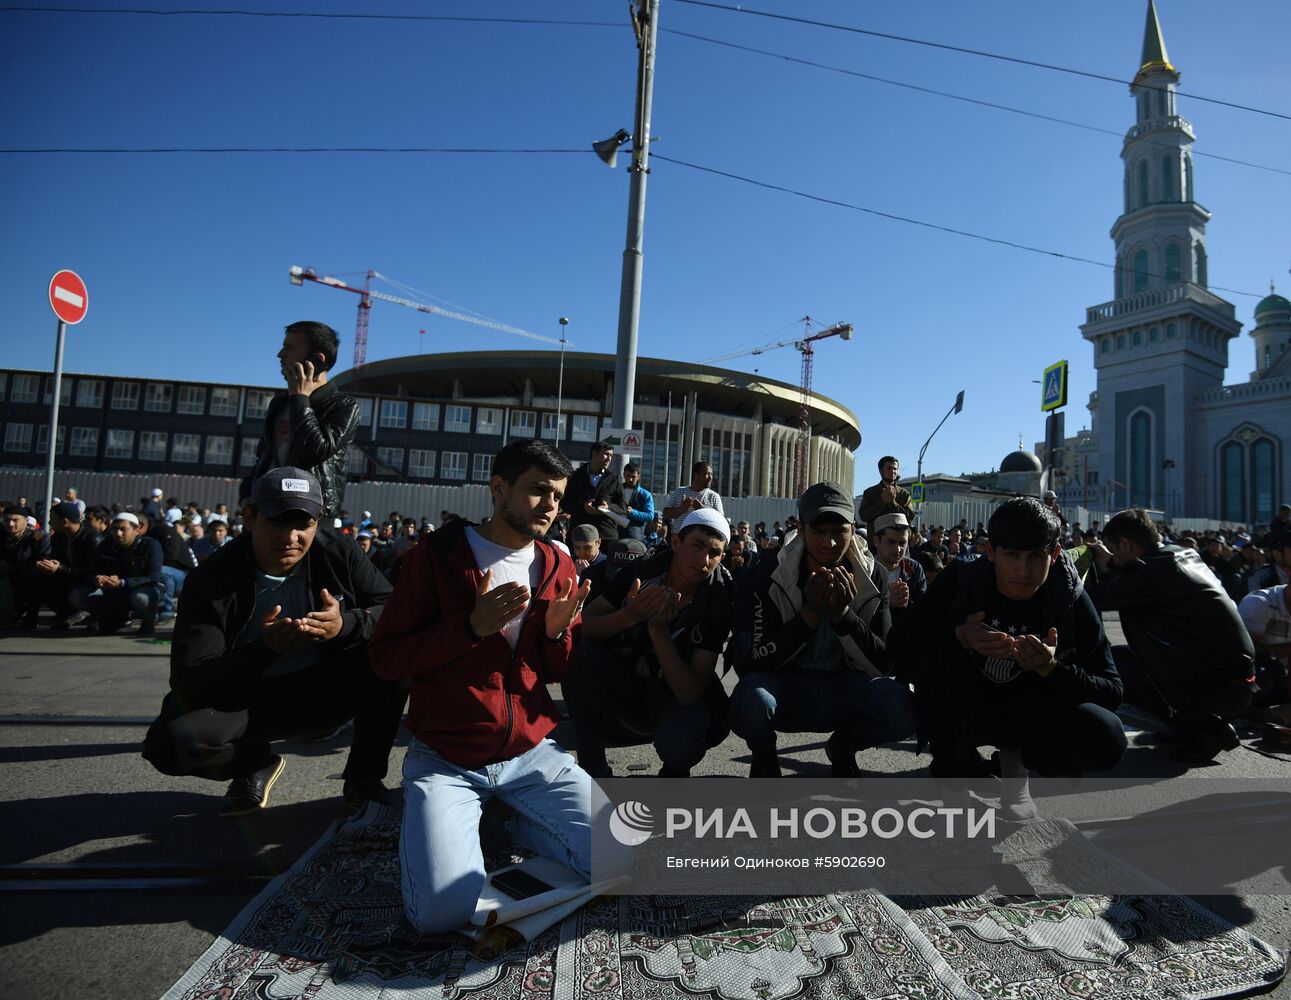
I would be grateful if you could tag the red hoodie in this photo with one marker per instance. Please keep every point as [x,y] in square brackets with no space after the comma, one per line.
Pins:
[473,701]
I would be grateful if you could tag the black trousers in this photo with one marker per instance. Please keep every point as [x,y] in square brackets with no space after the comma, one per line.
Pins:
[233,740]
[1176,690]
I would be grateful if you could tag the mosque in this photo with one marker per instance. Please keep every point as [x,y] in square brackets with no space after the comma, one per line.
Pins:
[1165,431]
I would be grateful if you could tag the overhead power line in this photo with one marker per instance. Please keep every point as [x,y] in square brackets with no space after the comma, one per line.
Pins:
[963,50]
[955,97]
[923,223]
[282,149]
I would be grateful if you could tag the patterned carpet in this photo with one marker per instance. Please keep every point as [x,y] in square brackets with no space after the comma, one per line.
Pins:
[332,928]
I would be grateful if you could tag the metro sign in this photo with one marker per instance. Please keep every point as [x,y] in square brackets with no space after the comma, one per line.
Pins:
[68,297]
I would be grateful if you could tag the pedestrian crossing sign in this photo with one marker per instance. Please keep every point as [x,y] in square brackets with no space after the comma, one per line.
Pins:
[1054,387]
[916,492]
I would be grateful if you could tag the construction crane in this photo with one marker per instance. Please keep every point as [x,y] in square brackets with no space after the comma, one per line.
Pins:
[299,275]
[803,345]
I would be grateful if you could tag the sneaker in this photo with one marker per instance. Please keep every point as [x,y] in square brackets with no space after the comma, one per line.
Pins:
[360,791]
[765,764]
[842,760]
[250,793]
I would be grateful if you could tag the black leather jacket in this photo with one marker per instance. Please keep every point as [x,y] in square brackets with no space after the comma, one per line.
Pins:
[1174,610]
[322,428]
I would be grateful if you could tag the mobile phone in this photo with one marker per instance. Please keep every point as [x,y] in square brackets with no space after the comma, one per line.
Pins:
[519,884]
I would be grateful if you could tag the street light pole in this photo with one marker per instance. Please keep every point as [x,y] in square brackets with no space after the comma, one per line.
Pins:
[958,405]
[560,385]
[646,20]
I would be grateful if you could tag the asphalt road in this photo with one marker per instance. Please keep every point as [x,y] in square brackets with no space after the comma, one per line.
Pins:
[116,878]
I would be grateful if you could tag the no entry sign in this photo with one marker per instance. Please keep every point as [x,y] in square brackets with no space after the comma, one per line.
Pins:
[68,297]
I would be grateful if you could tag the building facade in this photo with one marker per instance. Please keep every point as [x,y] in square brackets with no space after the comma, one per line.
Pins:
[439,419]
[1165,432]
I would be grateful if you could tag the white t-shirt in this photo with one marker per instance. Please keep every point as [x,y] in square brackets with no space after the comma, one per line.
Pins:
[1264,613]
[708,497]
[508,565]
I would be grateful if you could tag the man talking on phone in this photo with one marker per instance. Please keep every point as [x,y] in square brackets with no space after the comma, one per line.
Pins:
[313,425]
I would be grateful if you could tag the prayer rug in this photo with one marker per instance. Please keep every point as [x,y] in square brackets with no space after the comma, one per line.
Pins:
[332,928]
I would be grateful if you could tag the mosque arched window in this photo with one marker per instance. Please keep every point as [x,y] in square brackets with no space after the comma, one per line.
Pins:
[1144,197]
[1231,462]
[1173,264]
[1262,481]
[1167,179]
[1140,270]
[1141,458]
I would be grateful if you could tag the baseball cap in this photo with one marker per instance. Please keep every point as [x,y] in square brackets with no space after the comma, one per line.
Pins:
[1050,495]
[894,520]
[125,515]
[584,533]
[68,510]
[287,488]
[826,498]
[710,519]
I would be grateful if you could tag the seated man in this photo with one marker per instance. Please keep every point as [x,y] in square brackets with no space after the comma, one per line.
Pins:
[21,550]
[1267,617]
[271,642]
[177,559]
[74,553]
[127,578]
[1009,651]
[481,621]
[1189,659]
[650,643]
[809,643]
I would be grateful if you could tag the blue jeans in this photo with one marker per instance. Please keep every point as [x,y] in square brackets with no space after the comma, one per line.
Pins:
[555,802]
[174,580]
[864,711]
[113,607]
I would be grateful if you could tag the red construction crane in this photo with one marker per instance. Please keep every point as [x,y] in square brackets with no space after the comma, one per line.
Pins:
[804,347]
[299,275]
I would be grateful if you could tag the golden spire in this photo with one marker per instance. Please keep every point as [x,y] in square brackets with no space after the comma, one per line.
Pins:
[1154,54]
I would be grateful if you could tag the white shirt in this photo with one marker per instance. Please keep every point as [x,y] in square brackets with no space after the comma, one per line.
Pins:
[508,565]
[708,497]
[1265,615]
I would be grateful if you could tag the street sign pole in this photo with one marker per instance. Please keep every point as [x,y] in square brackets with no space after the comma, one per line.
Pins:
[52,442]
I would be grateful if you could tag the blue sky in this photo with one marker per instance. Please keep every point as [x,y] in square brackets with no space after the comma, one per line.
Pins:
[186,255]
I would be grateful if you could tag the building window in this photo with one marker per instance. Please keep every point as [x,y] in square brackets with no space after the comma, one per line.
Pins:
[365,413]
[219,450]
[1268,356]
[158,396]
[26,389]
[125,395]
[549,426]
[421,463]
[258,401]
[1167,179]
[120,444]
[390,460]
[1154,334]
[1136,338]
[85,441]
[1140,271]
[457,419]
[17,437]
[1199,264]
[452,465]
[250,444]
[1170,332]
[152,446]
[1262,481]
[64,391]
[1173,265]
[394,413]
[482,470]
[224,402]
[584,428]
[524,423]
[1105,345]
[425,416]
[192,399]
[1187,177]
[1141,459]
[42,440]
[356,464]
[186,448]
[488,420]
[1231,500]
[1144,200]
[89,394]
[1120,341]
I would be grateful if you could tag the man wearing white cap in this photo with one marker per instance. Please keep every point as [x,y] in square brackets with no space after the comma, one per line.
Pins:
[127,578]
[646,670]
[810,643]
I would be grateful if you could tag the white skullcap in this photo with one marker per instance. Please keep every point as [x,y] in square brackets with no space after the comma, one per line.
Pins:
[125,515]
[710,519]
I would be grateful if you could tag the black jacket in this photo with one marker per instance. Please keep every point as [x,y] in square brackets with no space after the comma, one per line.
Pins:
[174,550]
[768,630]
[609,490]
[76,555]
[18,556]
[137,566]
[322,428]
[1174,610]
[208,662]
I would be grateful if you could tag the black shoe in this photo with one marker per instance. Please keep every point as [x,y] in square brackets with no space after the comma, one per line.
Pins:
[842,761]
[110,628]
[250,793]
[147,628]
[1215,735]
[765,764]
[360,791]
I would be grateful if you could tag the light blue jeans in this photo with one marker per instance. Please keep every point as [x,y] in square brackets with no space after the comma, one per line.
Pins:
[439,850]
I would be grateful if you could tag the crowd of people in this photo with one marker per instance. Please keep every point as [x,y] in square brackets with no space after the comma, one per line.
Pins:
[294,618]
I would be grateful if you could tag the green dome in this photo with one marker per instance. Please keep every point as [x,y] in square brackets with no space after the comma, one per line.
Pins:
[1272,303]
